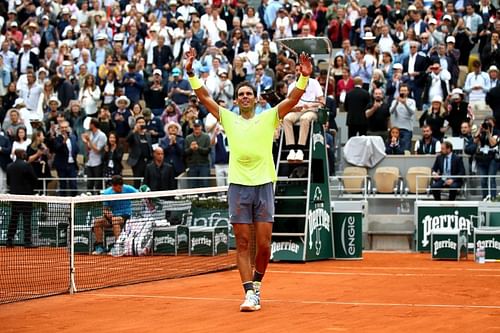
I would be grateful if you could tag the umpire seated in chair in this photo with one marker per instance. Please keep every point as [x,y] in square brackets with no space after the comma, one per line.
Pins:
[446,168]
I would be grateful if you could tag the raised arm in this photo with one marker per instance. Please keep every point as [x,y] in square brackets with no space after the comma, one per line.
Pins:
[198,88]
[293,98]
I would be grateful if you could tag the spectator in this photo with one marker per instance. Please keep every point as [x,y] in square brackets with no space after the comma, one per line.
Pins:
[154,126]
[377,115]
[179,89]
[393,145]
[159,174]
[173,147]
[437,84]
[415,67]
[162,57]
[197,150]
[140,150]
[20,142]
[21,179]
[133,83]
[94,140]
[360,68]
[31,96]
[171,113]
[226,88]
[457,111]
[435,118]
[66,149]
[470,146]
[486,140]
[89,95]
[403,111]
[493,73]
[37,153]
[477,85]
[446,168]
[121,117]
[493,101]
[27,56]
[113,156]
[115,213]
[428,145]
[356,103]
[305,112]
[5,149]
[156,93]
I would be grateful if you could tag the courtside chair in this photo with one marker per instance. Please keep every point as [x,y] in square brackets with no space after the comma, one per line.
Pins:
[353,180]
[415,180]
[387,180]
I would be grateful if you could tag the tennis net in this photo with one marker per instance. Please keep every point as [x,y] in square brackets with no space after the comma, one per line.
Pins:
[140,237]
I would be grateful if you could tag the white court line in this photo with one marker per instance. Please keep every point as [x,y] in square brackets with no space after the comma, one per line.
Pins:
[374,274]
[218,299]
[419,268]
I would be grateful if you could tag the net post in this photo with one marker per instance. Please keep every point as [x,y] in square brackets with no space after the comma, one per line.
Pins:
[72,285]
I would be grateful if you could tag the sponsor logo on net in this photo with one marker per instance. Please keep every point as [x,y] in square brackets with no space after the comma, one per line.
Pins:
[182,238]
[220,237]
[169,240]
[195,241]
[489,243]
[82,240]
[446,221]
[448,244]
[348,235]
[289,246]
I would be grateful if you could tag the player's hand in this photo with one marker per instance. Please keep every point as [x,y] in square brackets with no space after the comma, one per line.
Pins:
[306,68]
[190,55]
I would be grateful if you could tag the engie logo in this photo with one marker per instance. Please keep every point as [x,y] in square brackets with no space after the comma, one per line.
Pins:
[348,235]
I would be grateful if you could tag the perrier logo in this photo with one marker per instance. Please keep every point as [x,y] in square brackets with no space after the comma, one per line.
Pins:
[446,221]
[195,241]
[444,244]
[318,219]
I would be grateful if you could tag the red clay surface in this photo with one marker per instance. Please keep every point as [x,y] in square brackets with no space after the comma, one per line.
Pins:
[385,292]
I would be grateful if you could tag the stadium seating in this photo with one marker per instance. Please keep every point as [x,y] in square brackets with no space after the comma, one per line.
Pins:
[386,180]
[354,184]
[413,183]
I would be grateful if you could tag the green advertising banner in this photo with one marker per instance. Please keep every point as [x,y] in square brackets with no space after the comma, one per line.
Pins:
[431,217]
[212,217]
[489,238]
[449,244]
[348,235]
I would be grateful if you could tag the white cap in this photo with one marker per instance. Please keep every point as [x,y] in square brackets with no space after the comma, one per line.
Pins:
[432,20]
[45,17]
[447,17]
[397,66]
[437,99]
[67,63]
[101,35]
[13,24]
[73,17]
[369,35]
[157,71]
[27,42]
[457,91]
[65,10]
[412,7]
[450,39]
[493,68]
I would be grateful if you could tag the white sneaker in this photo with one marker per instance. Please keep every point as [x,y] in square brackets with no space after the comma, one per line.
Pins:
[251,303]
[291,155]
[299,156]
[256,287]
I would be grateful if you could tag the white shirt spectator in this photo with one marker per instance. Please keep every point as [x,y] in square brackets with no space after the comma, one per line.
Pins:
[312,93]
[477,80]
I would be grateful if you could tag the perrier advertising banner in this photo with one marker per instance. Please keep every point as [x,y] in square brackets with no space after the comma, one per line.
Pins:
[442,215]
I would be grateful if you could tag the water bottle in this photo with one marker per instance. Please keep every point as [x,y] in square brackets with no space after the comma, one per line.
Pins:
[480,254]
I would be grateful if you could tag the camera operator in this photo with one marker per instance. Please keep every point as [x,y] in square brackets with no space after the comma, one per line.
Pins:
[140,149]
[487,141]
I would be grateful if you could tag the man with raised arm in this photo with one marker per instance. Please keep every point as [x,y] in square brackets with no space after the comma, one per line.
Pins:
[251,170]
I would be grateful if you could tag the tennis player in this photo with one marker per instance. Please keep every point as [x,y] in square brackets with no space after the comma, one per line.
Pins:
[251,170]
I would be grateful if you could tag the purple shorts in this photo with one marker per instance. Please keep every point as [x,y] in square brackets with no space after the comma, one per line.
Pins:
[248,204]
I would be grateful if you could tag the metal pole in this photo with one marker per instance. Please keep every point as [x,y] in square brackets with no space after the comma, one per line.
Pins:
[72,285]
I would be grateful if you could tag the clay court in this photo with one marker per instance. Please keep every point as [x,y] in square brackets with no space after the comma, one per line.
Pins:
[385,292]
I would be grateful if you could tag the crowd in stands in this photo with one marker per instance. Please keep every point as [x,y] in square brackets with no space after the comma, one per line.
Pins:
[104,79]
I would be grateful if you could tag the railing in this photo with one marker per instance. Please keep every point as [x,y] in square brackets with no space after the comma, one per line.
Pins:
[471,188]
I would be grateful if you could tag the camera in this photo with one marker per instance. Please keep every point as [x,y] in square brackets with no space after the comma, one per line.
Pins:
[486,125]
